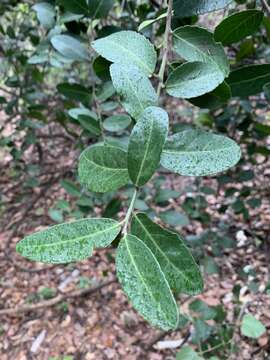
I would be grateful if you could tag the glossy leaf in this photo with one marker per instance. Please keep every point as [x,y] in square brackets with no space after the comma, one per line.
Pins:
[251,327]
[117,123]
[75,113]
[45,14]
[193,79]
[186,8]
[129,48]
[199,153]
[69,242]
[237,26]
[193,43]
[174,258]
[249,80]
[70,47]
[145,284]
[214,99]
[103,168]
[75,6]
[135,89]
[146,143]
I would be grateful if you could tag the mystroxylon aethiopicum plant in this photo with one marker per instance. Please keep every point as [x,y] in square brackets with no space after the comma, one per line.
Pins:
[153,264]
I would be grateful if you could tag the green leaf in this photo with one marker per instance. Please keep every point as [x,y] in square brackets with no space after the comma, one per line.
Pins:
[193,43]
[135,89]
[103,168]
[186,8]
[146,143]
[199,153]
[74,92]
[90,124]
[249,80]
[70,47]
[174,258]
[128,48]
[187,353]
[45,14]
[69,242]
[70,187]
[75,113]
[117,123]
[145,284]
[237,26]
[251,327]
[214,99]
[193,79]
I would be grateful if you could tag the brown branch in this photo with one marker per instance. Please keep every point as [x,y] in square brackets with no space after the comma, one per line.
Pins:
[56,300]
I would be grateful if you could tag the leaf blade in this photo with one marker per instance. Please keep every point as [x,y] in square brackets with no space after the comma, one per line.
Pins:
[144,283]
[174,258]
[69,242]
[103,168]
[199,153]
[146,143]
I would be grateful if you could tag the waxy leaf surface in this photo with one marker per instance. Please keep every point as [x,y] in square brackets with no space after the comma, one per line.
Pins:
[146,143]
[103,168]
[145,284]
[134,87]
[186,8]
[174,258]
[69,242]
[129,48]
[199,153]
[70,47]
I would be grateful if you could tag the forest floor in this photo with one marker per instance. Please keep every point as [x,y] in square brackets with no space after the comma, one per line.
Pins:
[67,319]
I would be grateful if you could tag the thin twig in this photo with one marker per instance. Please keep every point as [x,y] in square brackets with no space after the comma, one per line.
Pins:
[56,300]
[166,49]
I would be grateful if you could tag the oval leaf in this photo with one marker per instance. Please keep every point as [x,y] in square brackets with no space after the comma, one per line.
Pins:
[134,87]
[193,43]
[174,258]
[145,284]
[251,327]
[70,47]
[193,79]
[45,14]
[146,143]
[237,26]
[117,123]
[103,168]
[199,153]
[249,80]
[69,242]
[129,48]
[186,8]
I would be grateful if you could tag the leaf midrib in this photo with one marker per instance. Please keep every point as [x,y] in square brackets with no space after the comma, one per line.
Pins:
[160,250]
[59,243]
[103,167]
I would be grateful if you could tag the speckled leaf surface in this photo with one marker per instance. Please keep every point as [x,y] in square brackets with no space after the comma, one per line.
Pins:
[129,48]
[249,80]
[135,89]
[193,79]
[174,258]
[194,43]
[145,284]
[146,143]
[185,8]
[199,153]
[103,168]
[70,47]
[237,26]
[69,242]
